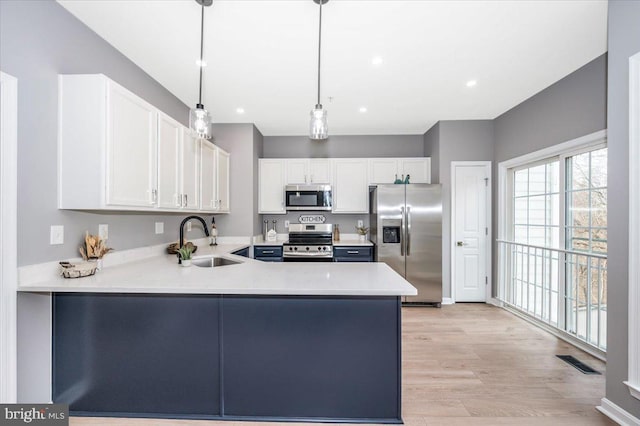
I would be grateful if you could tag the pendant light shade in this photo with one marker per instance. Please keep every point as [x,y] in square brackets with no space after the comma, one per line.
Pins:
[199,118]
[318,127]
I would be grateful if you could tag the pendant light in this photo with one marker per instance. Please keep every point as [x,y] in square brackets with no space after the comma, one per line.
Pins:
[318,128]
[199,118]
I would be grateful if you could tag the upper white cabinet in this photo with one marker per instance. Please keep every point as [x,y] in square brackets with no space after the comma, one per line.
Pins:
[271,175]
[300,171]
[419,169]
[350,186]
[386,170]
[208,177]
[222,181]
[131,147]
[118,152]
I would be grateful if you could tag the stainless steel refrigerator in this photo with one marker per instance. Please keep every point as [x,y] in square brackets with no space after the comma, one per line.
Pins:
[406,226]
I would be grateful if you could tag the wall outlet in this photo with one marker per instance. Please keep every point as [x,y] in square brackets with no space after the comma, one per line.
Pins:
[188,226]
[159,227]
[286,223]
[360,224]
[57,235]
[103,232]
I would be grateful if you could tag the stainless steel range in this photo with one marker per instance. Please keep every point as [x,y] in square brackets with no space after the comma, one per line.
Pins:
[309,243]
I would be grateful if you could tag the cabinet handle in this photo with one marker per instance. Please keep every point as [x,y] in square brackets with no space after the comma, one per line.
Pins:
[186,202]
[154,196]
[178,200]
[267,251]
[352,252]
[311,178]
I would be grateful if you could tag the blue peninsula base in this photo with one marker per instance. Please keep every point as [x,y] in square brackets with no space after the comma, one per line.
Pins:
[292,358]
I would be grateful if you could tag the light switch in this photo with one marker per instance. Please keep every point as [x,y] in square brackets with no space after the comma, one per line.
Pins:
[286,223]
[57,235]
[360,224]
[103,232]
[188,226]
[159,227]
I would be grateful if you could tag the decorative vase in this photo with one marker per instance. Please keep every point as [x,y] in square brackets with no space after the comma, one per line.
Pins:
[362,238]
[186,262]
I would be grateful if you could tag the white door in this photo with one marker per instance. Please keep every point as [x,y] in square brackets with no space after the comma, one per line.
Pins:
[169,132]
[190,173]
[131,149]
[222,181]
[271,186]
[383,170]
[350,186]
[470,231]
[419,169]
[319,171]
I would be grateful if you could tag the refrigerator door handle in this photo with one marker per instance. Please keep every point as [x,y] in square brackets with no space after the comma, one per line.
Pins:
[402,231]
[408,231]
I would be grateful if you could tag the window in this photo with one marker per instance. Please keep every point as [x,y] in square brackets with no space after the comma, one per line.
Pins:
[554,242]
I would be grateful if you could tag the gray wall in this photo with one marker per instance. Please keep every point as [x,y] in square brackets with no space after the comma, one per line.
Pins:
[40,40]
[344,146]
[432,149]
[447,141]
[572,107]
[244,143]
[624,41]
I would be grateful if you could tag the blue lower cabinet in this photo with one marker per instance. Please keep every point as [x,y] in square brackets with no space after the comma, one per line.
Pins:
[353,254]
[268,253]
[244,252]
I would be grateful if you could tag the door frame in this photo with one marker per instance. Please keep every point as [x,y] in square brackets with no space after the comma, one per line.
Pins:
[488,244]
[8,237]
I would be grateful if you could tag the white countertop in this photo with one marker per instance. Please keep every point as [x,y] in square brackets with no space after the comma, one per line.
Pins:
[162,274]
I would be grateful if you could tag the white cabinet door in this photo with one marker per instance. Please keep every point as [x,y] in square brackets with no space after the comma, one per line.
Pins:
[350,186]
[319,171]
[190,172]
[222,175]
[271,186]
[207,176]
[131,153]
[297,171]
[382,170]
[419,169]
[169,135]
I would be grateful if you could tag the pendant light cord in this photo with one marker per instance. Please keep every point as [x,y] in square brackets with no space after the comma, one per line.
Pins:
[319,45]
[201,53]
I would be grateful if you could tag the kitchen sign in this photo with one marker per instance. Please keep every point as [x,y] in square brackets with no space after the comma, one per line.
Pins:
[311,218]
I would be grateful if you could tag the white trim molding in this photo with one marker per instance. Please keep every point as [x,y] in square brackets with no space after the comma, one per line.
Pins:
[447,301]
[489,243]
[634,226]
[8,238]
[617,414]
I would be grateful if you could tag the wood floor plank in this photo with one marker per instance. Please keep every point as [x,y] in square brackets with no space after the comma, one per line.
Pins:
[473,364]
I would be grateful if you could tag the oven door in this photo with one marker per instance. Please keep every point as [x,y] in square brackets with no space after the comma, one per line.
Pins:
[307,197]
[307,259]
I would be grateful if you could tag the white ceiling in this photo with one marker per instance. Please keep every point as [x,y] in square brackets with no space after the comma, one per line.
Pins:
[262,56]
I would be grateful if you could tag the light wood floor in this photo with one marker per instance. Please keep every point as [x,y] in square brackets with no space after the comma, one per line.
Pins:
[473,364]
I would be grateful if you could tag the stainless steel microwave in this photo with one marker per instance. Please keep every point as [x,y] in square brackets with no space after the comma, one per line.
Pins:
[307,197]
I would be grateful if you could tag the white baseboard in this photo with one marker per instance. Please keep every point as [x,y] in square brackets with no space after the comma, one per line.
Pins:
[617,414]
[495,302]
[447,301]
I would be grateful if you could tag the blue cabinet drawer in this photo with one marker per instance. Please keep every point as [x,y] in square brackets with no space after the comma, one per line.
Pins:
[268,253]
[353,254]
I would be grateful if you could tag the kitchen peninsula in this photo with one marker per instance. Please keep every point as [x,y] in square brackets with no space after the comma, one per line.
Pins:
[252,340]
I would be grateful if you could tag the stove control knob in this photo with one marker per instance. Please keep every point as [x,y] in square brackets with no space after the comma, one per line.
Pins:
[324,248]
[295,248]
[319,248]
[307,248]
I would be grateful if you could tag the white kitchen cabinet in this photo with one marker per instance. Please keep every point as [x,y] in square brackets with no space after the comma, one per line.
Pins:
[118,152]
[382,170]
[189,171]
[222,186]
[301,171]
[419,169]
[169,167]
[271,174]
[350,185]
[214,178]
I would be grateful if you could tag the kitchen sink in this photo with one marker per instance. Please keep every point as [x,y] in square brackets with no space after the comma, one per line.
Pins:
[212,262]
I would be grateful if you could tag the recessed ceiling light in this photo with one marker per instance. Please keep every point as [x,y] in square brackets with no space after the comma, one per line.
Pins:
[363,109]
[240,110]
[201,63]
[377,60]
[471,83]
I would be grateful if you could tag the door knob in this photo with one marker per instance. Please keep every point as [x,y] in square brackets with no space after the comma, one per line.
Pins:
[460,244]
